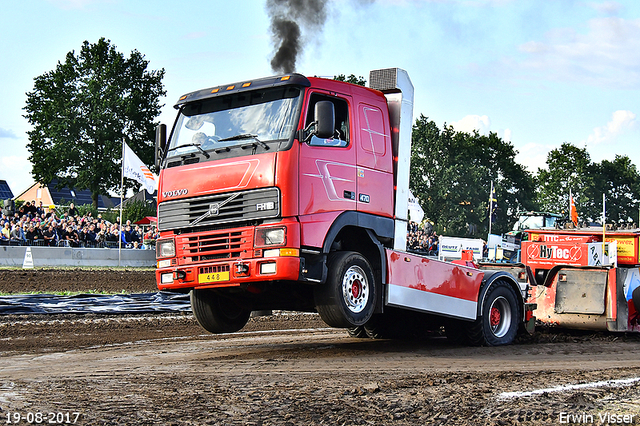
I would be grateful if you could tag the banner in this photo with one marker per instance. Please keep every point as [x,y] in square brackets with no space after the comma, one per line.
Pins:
[134,168]
[451,247]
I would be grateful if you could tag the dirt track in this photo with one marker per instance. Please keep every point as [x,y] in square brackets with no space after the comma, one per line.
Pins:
[44,280]
[291,369]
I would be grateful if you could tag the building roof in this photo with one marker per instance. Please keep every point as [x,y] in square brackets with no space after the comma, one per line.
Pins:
[71,195]
[5,191]
[142,196]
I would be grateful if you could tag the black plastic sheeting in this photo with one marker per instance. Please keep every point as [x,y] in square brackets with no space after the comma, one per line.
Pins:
[94,303]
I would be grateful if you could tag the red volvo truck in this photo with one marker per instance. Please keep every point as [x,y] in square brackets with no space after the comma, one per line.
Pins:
[291,193]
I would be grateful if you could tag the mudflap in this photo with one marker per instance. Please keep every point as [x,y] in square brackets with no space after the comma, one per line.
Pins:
[529,323]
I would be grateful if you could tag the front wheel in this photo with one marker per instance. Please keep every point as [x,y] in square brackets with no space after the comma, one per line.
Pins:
[216,314]
[348,297]
[498,324]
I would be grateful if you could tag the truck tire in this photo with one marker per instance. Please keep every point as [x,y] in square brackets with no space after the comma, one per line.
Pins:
[390,325]
[216,314]
[348,297]
[358,332]
[378,327]
[499,319]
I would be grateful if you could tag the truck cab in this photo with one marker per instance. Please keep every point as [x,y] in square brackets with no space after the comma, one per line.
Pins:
[260,180]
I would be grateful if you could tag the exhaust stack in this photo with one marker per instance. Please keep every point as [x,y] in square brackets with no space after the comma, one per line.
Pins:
[398,89]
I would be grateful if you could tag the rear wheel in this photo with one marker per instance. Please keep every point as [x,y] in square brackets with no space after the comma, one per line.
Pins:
[216,314]
[348,297]
[498,324]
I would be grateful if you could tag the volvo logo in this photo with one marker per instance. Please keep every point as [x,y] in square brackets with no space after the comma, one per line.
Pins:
[175,193]
[214,209]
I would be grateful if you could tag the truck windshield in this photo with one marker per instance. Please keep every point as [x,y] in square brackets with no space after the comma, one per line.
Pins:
[529,222]
[254,119]
[550,222]
[535,222]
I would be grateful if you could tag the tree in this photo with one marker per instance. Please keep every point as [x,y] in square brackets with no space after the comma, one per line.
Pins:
[619,180]
[568,168]
[83,110]
[360,81]
[451,174]
[571,168]
[136,210]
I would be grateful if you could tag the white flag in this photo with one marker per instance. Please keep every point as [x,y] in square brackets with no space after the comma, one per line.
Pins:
[415,211]
[134,168]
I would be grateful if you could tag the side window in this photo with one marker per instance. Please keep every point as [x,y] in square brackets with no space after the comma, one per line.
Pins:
[372,133]
[341,135]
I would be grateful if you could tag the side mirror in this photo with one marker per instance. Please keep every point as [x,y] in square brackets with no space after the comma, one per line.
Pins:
[161,143]
[325,118]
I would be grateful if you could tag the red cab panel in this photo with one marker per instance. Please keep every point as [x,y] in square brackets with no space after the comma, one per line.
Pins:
[220,176]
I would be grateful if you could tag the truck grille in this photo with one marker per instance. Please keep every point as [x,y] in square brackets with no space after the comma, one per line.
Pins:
[213,269]
[216,245]
[219,209]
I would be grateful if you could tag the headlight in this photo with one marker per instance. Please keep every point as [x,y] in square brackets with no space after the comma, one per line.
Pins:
[270,237]
[165,248]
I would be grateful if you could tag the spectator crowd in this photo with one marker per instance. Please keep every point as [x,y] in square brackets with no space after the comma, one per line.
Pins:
[36,225]
[422,239]
[40,226]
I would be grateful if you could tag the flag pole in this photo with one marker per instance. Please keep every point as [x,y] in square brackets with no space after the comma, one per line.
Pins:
[121,201]
[604,223]
[490,209]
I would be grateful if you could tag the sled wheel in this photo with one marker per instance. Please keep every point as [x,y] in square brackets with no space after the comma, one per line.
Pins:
[348,297]
[498,324]
[216,314]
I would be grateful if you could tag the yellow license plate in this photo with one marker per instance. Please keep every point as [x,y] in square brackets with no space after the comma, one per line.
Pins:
[213,277]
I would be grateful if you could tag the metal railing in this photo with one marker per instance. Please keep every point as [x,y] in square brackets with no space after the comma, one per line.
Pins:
[146,244]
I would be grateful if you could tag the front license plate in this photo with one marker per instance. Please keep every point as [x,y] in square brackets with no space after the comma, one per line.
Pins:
[213,277]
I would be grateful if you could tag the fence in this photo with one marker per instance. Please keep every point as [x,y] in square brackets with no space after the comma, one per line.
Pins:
[146,244]
[71,256]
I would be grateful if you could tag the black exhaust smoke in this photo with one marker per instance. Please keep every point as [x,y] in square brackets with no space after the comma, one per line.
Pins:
[289,18]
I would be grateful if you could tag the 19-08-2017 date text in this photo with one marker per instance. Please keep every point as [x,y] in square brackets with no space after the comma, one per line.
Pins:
[35,418]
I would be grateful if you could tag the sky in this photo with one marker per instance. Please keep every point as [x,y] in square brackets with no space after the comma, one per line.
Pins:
[536,72]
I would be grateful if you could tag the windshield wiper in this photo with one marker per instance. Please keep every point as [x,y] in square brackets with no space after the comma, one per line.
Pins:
[246,136]
[205,153]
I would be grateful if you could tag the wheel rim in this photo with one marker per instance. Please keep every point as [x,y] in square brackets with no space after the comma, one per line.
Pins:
[355,289]
[500,317]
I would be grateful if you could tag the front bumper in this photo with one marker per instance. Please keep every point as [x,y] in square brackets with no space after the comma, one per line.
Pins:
[229,273]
